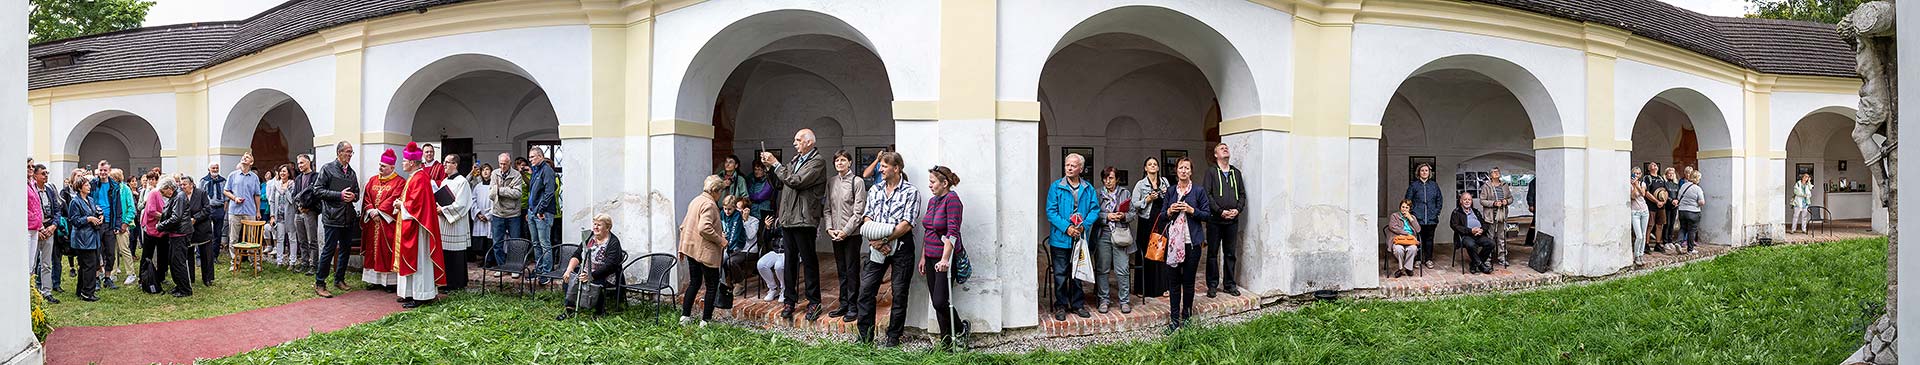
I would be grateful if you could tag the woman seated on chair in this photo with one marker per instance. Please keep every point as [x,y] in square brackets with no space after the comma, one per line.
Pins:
[604,258]
[1406,237]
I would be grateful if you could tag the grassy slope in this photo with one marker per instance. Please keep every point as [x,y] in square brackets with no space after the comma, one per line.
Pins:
[233,292]
[1795,304]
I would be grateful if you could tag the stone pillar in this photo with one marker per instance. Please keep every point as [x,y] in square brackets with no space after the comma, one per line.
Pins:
[17,343]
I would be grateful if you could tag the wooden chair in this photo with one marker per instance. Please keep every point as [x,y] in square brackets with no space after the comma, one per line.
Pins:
[250,245]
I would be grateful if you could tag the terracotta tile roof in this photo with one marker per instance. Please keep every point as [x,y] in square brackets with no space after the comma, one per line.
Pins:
[1771,46]
[180,49]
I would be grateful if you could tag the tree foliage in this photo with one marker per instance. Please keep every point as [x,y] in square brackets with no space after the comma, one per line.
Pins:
[1824,11]
[53,20]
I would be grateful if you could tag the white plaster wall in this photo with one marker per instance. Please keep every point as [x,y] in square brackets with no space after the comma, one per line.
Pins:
[552,57]
[308,82]
[1789,109]
[16,334]
[1384,55]
[904,34]
[1243,48]
[72,119]
[1016,187]
[1637,83]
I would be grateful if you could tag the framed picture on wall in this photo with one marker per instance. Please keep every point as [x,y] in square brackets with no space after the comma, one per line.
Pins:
[1086,156]
[1842,165]
[864,156]
[1802,169]
[1413,166]
[1167,158]
[551,148]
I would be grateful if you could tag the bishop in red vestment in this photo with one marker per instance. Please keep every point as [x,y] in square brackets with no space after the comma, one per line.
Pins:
[417,255]
[376,240]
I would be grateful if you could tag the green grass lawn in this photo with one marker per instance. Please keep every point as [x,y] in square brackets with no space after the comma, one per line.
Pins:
[233,292]
[1786,305]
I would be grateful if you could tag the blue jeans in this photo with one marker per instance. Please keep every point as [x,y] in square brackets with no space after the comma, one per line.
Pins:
[504,229]
[1066,290]
[333,255]
[542,243]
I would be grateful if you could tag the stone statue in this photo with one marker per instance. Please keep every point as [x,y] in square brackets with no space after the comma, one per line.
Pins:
[1871,28]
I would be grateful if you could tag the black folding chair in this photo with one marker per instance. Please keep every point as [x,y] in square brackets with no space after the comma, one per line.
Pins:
[518,258]
[655,279]
[1820,215]
[561,254]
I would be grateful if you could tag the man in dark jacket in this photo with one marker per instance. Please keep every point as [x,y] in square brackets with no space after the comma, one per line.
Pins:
[336,190]
[1472,233]
[188,217]
[1227,188]
[804,182]
[541,208]
[306,212]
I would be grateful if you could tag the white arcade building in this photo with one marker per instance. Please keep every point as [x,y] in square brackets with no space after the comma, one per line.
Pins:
[1325,104]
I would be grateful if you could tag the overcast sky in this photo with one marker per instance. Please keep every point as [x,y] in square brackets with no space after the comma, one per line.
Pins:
[166,12]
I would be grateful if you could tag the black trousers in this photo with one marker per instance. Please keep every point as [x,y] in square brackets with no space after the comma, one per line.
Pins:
[1180,289]
[333,255]
[937,286]
[846,262]
[1673,223]
[901,264]
[700,275]
[1426,242]
[89,272]
[154,259]
[1479,248]
[456,268]
[108,252]
[209,255]
[1067,294]
[179,264]
[801,260]
[1223,255]
[1152,280]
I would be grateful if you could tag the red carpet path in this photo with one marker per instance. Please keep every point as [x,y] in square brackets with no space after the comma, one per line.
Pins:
[184,341]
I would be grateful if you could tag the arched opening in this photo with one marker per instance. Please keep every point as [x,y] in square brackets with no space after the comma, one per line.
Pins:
[126,141]
[476,106]
[758,82]
[1123,86]
[1681,129]
[269,124]
[1464,116]
[1821,145]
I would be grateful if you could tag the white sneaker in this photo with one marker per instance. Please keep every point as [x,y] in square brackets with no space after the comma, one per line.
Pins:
[685,320]
[769,297]
[129,281]
[703,324]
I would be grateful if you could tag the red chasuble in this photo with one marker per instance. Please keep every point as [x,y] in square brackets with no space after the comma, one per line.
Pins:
[423,222]
[376,237]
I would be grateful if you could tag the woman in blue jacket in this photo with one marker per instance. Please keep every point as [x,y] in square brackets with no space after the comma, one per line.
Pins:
[1425,194]
[87,221]
[1185,213]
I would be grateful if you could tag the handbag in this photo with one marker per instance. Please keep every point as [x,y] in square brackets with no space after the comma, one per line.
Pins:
[962,268]
[1156,242]
[1120,235]
[1405,240]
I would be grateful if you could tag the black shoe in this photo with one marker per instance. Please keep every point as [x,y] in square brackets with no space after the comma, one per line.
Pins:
[51,300]
[564,315]
[813,312]
[1059,315]
[411,304]
[89,297]
[890,341]
[387,288]
[181,294]
[208,283]
[111,285]
[1082,312]
[837,312]
[1231,290]
[1211,291]
[400,300]
[787,314]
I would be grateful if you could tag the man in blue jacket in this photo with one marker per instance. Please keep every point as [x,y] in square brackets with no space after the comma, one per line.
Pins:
[1071,207]
[107,196]
[541,208]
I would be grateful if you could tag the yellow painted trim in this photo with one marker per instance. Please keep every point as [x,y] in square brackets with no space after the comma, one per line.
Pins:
[1602,44]
[1365,131]
[228,151]
[1323,80]
[107,89]
[575,131]
[1277,123]
[639,81]
[348,67]
[1557,142]
[1817,84]
[916,110]
[190,117]
[386,138]
[1776,155]
[1722,153]
[43,128]
[169,153]
[678,127]
[63,157]
[609,67]
[968,46]
[1028,111]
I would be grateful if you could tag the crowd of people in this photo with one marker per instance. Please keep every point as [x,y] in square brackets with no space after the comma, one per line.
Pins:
[411,225]
[1479,222]
[1666,208]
